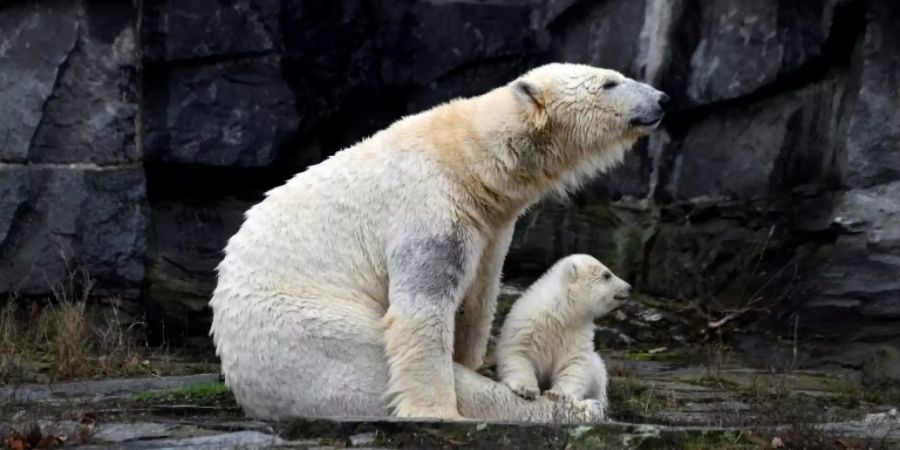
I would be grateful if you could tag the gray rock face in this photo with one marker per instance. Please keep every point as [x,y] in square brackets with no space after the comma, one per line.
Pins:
[553,230]
[354,68]
[29,67]
[604,34]
[434,39]
[873,143]
[73,198]
[57,220]
[860,276]
[762,149]
[235,113]
[724,49]
[779,160]
[175,30]
[67,95]
[188,238]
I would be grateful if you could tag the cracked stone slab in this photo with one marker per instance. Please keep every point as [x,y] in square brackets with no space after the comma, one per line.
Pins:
[124,432]
[27,393]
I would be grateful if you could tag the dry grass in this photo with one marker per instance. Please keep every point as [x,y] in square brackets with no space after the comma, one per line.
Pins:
[65,338]
[633,401]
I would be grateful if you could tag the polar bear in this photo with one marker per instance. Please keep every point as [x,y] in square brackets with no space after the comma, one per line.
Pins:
[366,285]
[547,339]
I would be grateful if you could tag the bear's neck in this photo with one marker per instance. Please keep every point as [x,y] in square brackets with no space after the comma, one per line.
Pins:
[501,165]
[501,171]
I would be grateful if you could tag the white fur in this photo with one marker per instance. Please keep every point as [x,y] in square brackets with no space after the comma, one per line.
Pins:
[548,337]
[339,294]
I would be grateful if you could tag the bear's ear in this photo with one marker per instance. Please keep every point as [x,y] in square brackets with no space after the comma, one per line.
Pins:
[530,95]
[528,92]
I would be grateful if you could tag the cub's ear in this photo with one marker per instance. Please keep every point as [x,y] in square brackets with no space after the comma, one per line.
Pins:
[531,97]
[571,270]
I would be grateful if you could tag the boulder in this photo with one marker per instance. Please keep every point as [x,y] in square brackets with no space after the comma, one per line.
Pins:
[882,367]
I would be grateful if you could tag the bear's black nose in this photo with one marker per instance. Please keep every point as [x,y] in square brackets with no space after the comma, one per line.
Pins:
[664,100]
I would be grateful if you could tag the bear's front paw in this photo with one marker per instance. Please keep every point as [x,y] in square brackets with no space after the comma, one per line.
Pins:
[526,392]
[559,396]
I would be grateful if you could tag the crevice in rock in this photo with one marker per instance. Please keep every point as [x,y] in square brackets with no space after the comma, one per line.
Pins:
[575,12]
[526,63]
[210,59]
[276,39]
[18,223]
[165,180]
[60,72]
[69,166]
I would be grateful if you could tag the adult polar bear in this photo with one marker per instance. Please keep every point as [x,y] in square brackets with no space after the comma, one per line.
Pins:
[341,292]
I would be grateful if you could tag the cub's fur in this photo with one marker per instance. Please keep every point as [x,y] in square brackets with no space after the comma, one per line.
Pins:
[547,340]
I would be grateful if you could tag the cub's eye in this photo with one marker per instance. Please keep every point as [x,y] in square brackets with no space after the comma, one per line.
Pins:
[610,84]
[606,276]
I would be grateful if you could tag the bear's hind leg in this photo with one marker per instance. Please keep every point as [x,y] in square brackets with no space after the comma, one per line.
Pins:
[329,360]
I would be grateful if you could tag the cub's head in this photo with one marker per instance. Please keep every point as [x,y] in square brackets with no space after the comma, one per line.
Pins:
[585,117]
[591,287]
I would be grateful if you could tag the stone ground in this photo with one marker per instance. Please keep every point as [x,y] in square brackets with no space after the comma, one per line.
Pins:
[659,403]
[670,388]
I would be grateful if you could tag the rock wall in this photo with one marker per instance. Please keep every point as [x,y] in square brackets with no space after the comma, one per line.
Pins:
[133,136]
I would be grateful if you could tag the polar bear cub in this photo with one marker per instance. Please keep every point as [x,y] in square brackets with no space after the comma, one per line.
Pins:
[547,340]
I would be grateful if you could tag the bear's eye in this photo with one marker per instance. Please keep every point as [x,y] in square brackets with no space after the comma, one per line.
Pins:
[606,276]
[610,84]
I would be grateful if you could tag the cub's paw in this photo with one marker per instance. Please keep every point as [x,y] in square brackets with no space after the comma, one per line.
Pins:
[559,396]
[589,411]
[526,392]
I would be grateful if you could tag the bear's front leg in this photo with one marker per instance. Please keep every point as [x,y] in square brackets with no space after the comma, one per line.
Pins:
[428,279]
[474,318]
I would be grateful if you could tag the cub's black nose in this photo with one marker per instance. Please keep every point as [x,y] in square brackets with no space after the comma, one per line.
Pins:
[664,100]
[625,294]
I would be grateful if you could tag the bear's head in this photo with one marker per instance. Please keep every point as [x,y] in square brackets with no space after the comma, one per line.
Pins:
[583,119]
[591,288]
